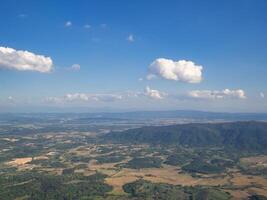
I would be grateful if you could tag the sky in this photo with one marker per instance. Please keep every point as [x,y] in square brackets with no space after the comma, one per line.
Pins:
[123,55]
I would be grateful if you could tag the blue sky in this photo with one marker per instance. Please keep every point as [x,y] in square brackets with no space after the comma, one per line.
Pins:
[113,43]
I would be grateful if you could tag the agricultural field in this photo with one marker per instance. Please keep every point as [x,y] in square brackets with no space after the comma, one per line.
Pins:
[87,165]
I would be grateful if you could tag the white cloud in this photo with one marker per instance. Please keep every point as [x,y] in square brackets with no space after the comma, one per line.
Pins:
[154,94]
[226,93]
[109,97]
[262,95]
[84,97]
[130,38]
[53,99]
[87,26]
[75,67]
[10,98]
[76,97]
[24,60]
[68,24]
[182,70]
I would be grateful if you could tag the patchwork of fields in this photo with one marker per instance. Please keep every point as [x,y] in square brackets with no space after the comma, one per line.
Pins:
[80,160]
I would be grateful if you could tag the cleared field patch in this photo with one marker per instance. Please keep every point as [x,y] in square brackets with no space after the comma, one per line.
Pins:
[19,161]
[245,180]
[260,191]
[166,174]
[238,194]
[257,160]
[106,168]
[118,181]
[40,158]
[247,185]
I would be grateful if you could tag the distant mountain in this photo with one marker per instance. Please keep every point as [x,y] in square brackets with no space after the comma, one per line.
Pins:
[248,136]
[175,114]
[187,114]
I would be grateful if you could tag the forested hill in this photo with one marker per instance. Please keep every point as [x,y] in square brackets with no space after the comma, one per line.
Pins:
[250,136]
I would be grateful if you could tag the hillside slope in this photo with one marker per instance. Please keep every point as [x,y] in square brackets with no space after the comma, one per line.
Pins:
[250,136]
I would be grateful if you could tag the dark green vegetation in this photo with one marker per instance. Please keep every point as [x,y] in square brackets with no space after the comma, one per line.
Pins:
[139,163]
[200,166]
[242,136]
[146,190]
[178,159]
[37,186]
[72,159]
[109,159]
[257,197]
[49,163]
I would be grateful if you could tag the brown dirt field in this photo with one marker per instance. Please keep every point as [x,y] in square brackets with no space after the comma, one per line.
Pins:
[19,161]
[88,173]
[94,165]
[79,171]
[52,153]
[238,194]
[244,194]
[169,174]
[166,174]
[255,160]
[40,158]
[260,191]
[245,180]
[118,182]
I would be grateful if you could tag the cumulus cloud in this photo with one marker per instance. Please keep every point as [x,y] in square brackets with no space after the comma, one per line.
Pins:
[83,97]
[10,98]
[53,99]
[216,94]
[262,95]
[154,94]
[75,67]
[68,24]
[24,60]
[130,38]
[182,70]
[76,97]
[109,97]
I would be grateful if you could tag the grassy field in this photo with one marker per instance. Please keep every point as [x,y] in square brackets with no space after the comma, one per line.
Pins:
[71,157]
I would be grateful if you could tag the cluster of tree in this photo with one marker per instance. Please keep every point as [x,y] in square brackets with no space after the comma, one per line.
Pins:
[257,197]
[142,189]
[200,166]
[49,163]
[109,159]
[40,186]
[178,159]
[243,136]
[146,162]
